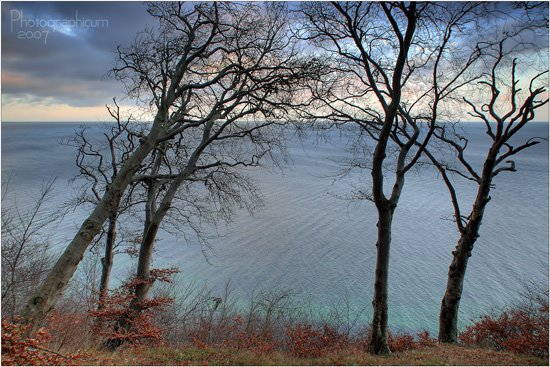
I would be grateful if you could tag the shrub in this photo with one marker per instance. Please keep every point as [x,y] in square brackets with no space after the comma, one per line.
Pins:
[516,330]
[260,342]
[19,349]
[306,341]
[401,342]
[69,329]
[522,329]
[117,321]
[425,340]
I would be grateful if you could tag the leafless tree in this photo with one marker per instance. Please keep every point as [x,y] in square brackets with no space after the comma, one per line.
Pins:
[202,72]
[228,135]
[504,109]
[391,75]
[98,161]
[26,254]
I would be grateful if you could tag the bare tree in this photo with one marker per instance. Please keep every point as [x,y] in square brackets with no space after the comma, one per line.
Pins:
[391,75]
[26,255]
[98,161]
[504,109]
[207,67]
[236,119]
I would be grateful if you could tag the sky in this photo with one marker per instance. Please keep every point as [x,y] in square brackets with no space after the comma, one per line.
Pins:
[56,57]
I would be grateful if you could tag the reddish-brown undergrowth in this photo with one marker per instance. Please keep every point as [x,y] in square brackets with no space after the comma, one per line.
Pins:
[405,341]
[516,330]
[306,341]
[117,320]
[20,350]
[211,330]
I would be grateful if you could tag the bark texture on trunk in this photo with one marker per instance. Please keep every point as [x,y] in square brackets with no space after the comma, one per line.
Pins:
[144,265]
[154,217]
[47,295]
[140,293]
[107,261]
[448,316]
[379,340]
[386,207]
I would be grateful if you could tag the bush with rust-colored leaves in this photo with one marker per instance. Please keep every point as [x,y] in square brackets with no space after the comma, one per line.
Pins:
[423,339]
[405,341]
[69,329]
[258,341]
[401,342]
[117,321]
[306,341]
[20,350]
[517,330]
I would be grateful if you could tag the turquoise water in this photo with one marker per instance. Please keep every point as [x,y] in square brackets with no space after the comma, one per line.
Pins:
[308,239]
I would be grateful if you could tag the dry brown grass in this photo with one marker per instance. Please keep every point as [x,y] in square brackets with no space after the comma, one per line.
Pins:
[428,356]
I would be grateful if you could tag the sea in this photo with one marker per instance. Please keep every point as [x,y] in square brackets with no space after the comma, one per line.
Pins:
[310,238]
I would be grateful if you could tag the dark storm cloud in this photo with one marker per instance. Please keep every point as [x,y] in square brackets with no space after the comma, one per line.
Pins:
[63,50]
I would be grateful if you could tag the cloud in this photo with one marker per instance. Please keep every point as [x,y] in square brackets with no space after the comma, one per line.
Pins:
[16,108]
[72,92]
[49,61]
[60,53]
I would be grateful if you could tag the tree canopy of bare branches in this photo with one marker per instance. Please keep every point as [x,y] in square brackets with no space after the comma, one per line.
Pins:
[505,109]
[210,71]
[398,70]
[26,255]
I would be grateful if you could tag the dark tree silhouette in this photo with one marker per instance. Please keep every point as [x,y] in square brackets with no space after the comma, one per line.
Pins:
[98,161]
[390,75]
[505,110]
[206,68]
[26,255]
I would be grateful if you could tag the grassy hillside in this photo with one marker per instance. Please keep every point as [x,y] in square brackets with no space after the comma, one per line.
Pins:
[428,356]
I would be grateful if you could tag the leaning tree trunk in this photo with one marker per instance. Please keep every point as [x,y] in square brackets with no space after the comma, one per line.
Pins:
[153,221]
[140,293]
[47,295]
[379,340]
[448,316]
[150,231]
[107,261]
[144,265]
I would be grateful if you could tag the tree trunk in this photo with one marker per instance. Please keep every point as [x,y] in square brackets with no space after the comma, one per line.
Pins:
[144,264]
[107,261]
[152,224]
[140,293]
[379,341]
[47,295]
[150,231]
[448,316]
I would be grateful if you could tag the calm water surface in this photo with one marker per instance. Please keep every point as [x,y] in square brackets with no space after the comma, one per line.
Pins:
[308,239]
